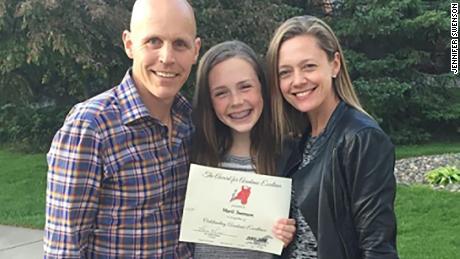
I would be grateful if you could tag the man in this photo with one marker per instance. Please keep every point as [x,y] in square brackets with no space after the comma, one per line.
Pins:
[118,167]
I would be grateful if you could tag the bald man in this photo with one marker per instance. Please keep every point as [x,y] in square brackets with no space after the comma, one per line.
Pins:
[117,169]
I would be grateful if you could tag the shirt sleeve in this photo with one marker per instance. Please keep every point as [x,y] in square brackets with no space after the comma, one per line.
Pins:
[370,159]
[74,173]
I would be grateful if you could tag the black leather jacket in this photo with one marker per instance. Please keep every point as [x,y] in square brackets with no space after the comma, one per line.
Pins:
[346,193]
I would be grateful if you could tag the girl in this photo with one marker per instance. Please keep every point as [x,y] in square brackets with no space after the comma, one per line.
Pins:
[232,126]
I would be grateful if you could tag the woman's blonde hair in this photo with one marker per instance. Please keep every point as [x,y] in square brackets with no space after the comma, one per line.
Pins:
[286,119]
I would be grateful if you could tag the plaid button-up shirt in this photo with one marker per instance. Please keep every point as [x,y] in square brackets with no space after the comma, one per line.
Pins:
[116,188]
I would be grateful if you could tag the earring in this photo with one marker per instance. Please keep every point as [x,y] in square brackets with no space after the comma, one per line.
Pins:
[334,76]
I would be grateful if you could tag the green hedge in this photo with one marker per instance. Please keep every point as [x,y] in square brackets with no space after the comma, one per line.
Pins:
[29,129]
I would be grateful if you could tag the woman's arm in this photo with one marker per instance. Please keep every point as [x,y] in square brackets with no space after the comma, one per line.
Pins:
[369,161]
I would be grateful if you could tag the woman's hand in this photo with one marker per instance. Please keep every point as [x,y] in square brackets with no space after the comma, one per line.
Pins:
[284,230]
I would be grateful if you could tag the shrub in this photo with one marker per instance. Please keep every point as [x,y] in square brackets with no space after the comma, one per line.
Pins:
[443,175]
[29,128]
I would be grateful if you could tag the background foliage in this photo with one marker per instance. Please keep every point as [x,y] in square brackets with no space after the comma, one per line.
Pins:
[54,54]
[399,55]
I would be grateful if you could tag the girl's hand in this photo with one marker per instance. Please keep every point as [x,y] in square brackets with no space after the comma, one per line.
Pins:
[284,230]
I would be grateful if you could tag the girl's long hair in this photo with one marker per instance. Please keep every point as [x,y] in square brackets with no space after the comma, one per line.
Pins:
[213,139]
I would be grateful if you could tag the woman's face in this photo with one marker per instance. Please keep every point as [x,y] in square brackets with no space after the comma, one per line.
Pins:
[305,74]
[236,94]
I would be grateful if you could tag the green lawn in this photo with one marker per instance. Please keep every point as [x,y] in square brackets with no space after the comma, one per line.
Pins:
[427,149]
[22,187]
[428,221]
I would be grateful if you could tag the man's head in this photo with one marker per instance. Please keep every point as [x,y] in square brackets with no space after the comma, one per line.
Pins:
[163,45]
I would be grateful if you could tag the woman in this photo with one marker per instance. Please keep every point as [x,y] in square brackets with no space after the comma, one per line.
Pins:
[342,166]
[232,126]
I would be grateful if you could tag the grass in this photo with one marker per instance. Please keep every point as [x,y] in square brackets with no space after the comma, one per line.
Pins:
[22,188]
[427,149]
[428,221]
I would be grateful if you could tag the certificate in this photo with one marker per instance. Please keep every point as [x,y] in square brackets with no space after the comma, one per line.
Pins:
[234,209]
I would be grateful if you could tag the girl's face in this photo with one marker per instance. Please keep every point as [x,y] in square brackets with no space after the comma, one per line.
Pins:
[305,74]
[236,94]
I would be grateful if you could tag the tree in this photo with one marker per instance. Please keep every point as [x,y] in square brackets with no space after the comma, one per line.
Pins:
[52,55]
[56,53]
[398,54]
[60,51]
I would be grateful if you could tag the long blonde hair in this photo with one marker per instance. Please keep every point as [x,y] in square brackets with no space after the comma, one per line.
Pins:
[287,120]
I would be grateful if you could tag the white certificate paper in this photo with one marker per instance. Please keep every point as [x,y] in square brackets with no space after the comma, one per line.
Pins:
[234,209]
